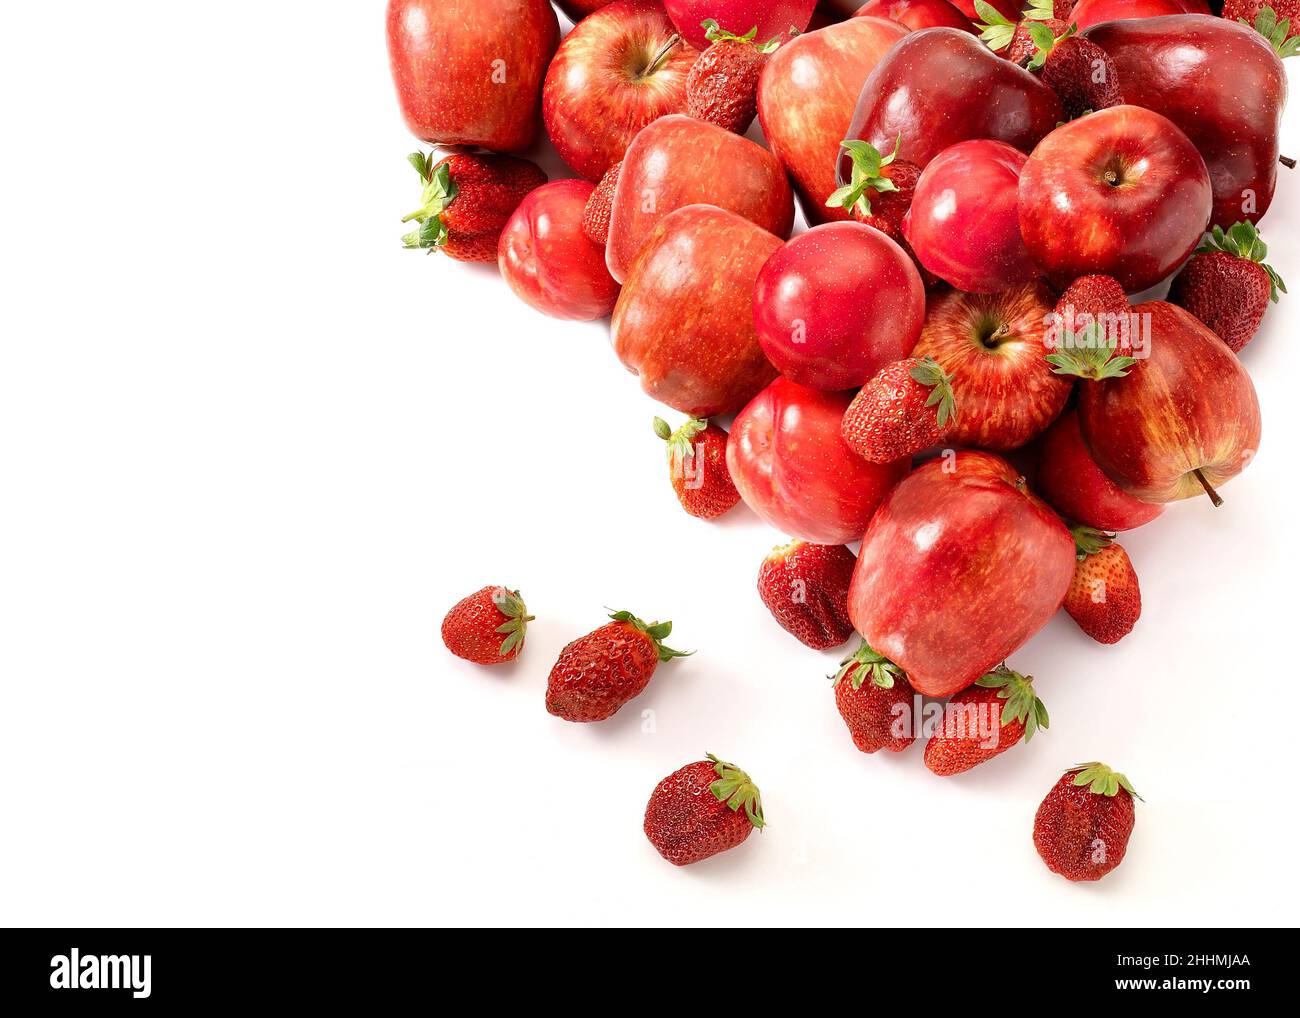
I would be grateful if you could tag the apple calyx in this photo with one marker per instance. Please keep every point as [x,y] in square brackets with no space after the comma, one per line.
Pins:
[511,605]
[737,790]
[1242,240]
[930,374]
[1089,541]
[657,631]
[439,192]
[1101,780]
[681,443]
[866,176]
[863,662]
[995,30]
[1045,42]
[1022,703]
[1093,362]
[716,33]
[1267,25]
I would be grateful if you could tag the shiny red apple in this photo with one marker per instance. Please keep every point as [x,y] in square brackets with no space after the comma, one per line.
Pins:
[619,69]
[964,222]
[805,102]
[1120,192]
[469,72]
[836,304]
[993,346]
[960,566]
[1068,479]
[918,14]
[678,160]
[1009,9]
[576,10]
[773,19]
[547,259]
[1087,13]
[685,322]
[791,467]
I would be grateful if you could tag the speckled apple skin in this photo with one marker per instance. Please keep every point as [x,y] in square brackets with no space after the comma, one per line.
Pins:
[1070,480]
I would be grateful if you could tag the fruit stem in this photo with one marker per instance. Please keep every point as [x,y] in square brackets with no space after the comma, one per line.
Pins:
[1287,161]
[661,56]
[1209,488]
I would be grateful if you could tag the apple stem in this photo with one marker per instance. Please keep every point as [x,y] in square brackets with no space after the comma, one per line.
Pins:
[1287,161]
[1209,488]
[662,55]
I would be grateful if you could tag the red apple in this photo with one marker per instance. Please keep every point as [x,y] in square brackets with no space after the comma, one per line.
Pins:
[1184,419]
[993,346]
[805,102]
[964,223]
[791,467]
[1069,479]
[836,304]
[774,19]
[940,86]
[619,69]
[1087,13]
[1009,9]
[678,161]
[549,261]
[684,321]
[960,566]
[576,10]
[1222,84]
[469,72]
[918,14]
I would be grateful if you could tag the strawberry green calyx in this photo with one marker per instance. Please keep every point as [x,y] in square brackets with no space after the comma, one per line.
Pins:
[1022,703]
[657,631]
[1093,361]
[1267,25]
[865,176]
[510,605]
[735,788]
[439,192]
[716,33]
[995,29]
[1089,541]
[681,443]
[1039,10]
[1101,780]
[863,662]
[1045,42]
[1242,240]
[939,382]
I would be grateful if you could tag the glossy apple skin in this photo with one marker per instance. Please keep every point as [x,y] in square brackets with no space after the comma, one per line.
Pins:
[685,322]
[836,304]
[964,222]
[960,566]
[940,86]
[442,58]
[1070,481]
[1087,13]
[549,262]
[1189,405]
[791,467]
[918,14]
[1222,85]
[805,102]
[1075,223]
[678,160]
[592,101]
[993,346]
[772,18]
[576,10]
[1009,9]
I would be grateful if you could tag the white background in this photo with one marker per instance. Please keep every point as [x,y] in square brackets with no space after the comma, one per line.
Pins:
[252,451]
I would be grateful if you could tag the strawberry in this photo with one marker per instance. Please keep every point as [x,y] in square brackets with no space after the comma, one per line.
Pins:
[1091,326]
[473,628]
[891,416]
[466,201]
[806,588]
[1082,828]
[1103,598]
[880,188]
[1013,39]
[873,695]
[961,745]
[598,673]
[1278,21]
[700,810]
[1227,285]
[697,466]
[1080,72]
[600,205]
[722,86]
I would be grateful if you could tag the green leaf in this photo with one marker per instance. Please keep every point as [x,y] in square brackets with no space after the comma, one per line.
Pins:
[929,373]
[1100,779]
[995,30]
[866,662]
[865,176]
[737,790]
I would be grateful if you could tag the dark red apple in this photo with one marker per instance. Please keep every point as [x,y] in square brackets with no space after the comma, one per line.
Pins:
[918,14]
[1120,192]
[836,304]
[619,69]
[805,102]
[1222,84]
[1087,13]
[960,566]
[791,467]
[993,346]
[469,72]
[964,223]
[549,261]
[1070,481]
[773,19]
[679,160]
[940,86]
[1009,9]
[685,322]
[1183,421]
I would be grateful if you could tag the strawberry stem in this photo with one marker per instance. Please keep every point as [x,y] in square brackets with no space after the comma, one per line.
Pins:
[1215,497]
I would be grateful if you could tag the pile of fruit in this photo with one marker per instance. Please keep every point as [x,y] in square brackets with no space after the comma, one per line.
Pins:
[958,364]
